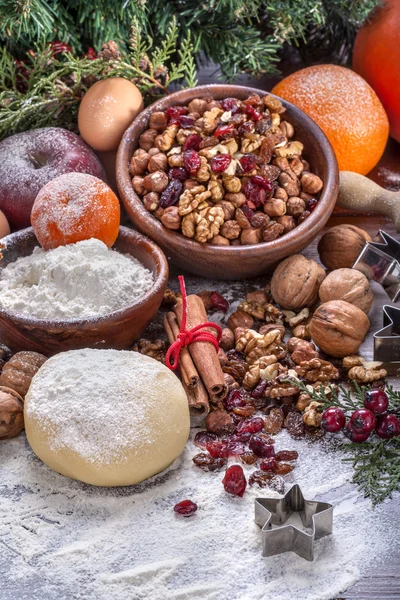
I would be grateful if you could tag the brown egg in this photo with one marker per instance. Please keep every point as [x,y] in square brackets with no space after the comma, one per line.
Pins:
[106,110]
[4,226]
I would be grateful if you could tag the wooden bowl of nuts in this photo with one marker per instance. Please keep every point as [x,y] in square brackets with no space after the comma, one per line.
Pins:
[117,329]
[228,180]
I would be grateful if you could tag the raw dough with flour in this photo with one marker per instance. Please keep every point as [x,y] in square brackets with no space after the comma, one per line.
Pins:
[106,417]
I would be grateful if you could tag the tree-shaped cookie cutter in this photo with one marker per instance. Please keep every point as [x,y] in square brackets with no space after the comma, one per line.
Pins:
[271,515]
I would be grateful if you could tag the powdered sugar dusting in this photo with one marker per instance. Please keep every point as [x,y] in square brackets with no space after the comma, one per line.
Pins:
[77,281]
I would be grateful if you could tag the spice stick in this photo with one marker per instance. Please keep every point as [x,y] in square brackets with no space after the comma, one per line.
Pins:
[198,403]
[189,373]
[203,354]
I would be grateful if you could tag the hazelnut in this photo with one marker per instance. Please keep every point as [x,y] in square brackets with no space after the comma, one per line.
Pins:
[11,413]
[341,245]
[288,223]
[151,201]
[311,183]
[146,140]
[227,339]
[198,105]
[251,236]
[297,166]
[158,162]
[338,328]
[295,282]
[139,162]
[272,327]
[237,199]
[156,182]
[153,151]
[275,207]
[295,206]
[228,208]
[240,319]
[219,240]
[176,160]
[189,184]
[349,285]
[137,183]
[158,121]
[290,182]
[259,220]
[232,184]
[272,231]
[282,163]
[171,218]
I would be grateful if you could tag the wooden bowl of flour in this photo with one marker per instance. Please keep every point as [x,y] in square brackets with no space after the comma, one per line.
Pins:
[118,329]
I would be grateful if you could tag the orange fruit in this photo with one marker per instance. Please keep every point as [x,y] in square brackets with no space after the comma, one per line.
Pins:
[75,207]
[347,110]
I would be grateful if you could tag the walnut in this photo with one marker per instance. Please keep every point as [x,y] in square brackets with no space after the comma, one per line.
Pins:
[158,162]
[287,129]
[289,150]
[272,231]
[203,172]
[203,225]
[216,189]
[349,285]
[219,240]
[281,390]
[232,147]
[210,152]
[295,206]
[227,339]
[312,414]
[137,183]
[338,328]
[240,319]
[295,282]
[170,298]
[266,368]
[254,345]
[301,331]
[270,326]
[231,382]
[171,218]
[317,369]
[165,141]
[273,314]
[341,245]
[231,230]
[289,181]
[198,105]
[304,351]
[310,183]
[139,162]
[158,213]
[11,413]
[250,142]
[354,360]
[146,140]
[253,308]
[274,207]
[18,372]
[210,119]
[363,374]
[303,401]
[156,182]
[158,120]
[299,318]
[192,199]
[237,199]
[232,184]
[156,349]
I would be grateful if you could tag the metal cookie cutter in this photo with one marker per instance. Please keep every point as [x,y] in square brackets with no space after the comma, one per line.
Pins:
[272,513]
[387,340]
[380,261]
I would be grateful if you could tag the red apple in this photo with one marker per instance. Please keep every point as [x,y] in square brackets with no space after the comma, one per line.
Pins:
[31,159]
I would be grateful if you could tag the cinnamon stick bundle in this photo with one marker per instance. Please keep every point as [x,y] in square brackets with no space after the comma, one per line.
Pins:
[204,355]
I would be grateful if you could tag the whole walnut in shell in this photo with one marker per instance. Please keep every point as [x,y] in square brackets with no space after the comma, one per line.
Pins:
[295,282]
[19,370]
[11,413]
[338,328]
[349,285]
[340,246]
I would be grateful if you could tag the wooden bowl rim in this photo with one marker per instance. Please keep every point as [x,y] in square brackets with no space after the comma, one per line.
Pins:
[311,226]
[161,278]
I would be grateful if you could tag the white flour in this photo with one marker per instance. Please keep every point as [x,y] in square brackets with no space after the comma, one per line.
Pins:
[80,280]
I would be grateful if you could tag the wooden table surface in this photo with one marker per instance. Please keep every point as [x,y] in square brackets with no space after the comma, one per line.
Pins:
[384,583]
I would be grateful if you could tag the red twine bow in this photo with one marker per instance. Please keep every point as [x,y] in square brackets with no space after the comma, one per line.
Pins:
[190,336]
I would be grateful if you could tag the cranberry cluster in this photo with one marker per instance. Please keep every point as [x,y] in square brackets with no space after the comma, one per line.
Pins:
[374,417]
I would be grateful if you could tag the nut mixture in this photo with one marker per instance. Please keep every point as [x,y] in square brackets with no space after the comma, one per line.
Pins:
[225,172]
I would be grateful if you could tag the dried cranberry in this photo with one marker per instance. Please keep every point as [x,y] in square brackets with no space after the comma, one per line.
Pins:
[234,480]
[252,112]
[259,390]
[186,508]
[178,173]
[203,437]
[233,399]
[268,464]
[208,463]
[230,104]
[192,162]
[173,112]
[257,189]
[248,162]
[170,195]
[262,182]
[218,302]
[224,130]
[192,142]
[185,122]
[220,162]
[282,468]
[260,447]
[246,127]
[286,455]
[218,449]
[235,448]
[251,426]
[311,204]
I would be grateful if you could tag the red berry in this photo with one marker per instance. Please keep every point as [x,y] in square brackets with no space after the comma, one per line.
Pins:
[176,111]
[192,142]
[218,302]
[186,508]
[225,130]
[235,448]
[178,173]
[91,53]
[363,420]
[388,426]
[311,204]
[59,47]
[220,162]
[377,401]
[257,189]
[251,425]
[260,447]
[218,449]
[192,162]
[248,162]
[246,127]
[185,122]
[230,104]
[333,419]
[353,436]
[233,399]
[234,480]
[202,438]
[268,464]
[170,195]
[252,112]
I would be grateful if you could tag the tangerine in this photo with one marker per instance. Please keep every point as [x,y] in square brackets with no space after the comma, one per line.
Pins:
[75,207]
[346,108]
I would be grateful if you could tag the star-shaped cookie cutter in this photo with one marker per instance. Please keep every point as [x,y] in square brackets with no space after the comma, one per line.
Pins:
[387,340]
[380,261]
[271,515]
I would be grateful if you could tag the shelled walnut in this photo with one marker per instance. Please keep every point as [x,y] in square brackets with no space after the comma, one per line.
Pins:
[155,349]
[296,281]
[18,372]
[11,413]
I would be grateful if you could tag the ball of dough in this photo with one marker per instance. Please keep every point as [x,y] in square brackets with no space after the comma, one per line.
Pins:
[106,110]
[106,417]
